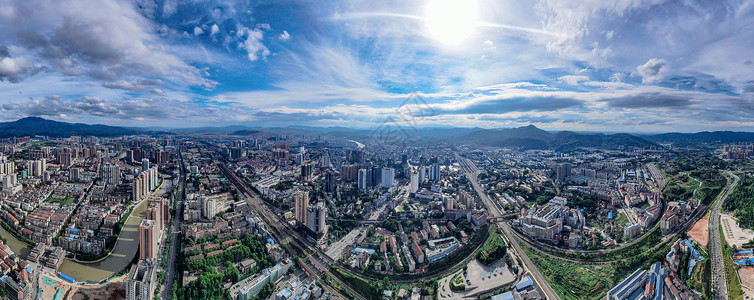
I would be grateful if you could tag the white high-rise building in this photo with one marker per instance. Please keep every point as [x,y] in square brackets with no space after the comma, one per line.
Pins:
[422,174]
[363,183]
[36,168]
[414,182]
[388,177]
[209,207]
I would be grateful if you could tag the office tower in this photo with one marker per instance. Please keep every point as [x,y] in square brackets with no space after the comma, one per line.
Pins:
[330,182]
[141,280]
[307,170]
[302,203]
[376,176]
[363,179]
[235,153]
[147,239]
[388,177]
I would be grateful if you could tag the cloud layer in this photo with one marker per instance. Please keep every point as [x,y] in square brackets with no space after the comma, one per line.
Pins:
[625,65]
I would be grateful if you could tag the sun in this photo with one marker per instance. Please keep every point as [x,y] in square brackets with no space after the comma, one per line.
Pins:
[451,21]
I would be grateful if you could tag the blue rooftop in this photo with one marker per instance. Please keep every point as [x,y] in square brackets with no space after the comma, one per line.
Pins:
[524,283]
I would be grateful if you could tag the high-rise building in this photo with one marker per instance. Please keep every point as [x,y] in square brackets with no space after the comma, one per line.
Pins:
[111,174]
[355,156]
[144,164]
[209,207]
[141,281]
[562,171]
[36,168]
[316,219]
[330,182]
[302,203]
[376,177]
[363,179]
[466,199]
[147,239]
[74,174]
[414,182]
[65,158]
[434,172]
[235,153]
[307,170]
[388,177]
[349,173]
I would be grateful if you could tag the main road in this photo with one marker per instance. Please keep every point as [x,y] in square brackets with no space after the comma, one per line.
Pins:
[286,236]
[167,287]
[494,212]
[719,284]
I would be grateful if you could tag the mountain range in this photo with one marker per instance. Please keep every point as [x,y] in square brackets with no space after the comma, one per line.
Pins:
[527,137]
[38,126]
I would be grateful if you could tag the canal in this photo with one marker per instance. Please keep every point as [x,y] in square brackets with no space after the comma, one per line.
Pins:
[124,251]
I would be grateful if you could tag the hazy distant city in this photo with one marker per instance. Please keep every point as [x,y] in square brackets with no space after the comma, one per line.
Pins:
[423,150]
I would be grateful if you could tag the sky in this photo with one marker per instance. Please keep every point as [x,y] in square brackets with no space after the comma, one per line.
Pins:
[590,65]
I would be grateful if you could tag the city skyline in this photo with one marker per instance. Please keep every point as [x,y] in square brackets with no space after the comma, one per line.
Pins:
[625,66]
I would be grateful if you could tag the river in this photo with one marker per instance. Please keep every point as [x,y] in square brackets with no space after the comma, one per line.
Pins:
[124,251]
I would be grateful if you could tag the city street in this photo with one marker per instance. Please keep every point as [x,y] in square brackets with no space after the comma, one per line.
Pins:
[493,211]
[719,284]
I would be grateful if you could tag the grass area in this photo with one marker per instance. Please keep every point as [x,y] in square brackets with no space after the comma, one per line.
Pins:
[65,201]
[492,250]
[574,281]
[700,278]
[590,280]
[621,220]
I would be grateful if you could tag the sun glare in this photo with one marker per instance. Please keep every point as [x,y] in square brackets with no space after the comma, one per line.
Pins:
[451,21]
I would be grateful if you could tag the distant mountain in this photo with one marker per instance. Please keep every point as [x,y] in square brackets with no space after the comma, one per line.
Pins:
[531,137]
[245,132]
[715,137]
[39,126]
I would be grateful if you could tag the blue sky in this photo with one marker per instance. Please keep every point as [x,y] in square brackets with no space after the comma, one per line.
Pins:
[623,65]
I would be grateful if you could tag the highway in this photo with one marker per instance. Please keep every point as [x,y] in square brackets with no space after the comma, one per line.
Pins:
[493,212]
[719,284]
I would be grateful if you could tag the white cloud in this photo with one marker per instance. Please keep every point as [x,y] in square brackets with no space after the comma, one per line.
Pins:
[573,79]
[198,31]
[253,43]
[652,71]
[214,30]
[13,69]
[285,36]
[107,43]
